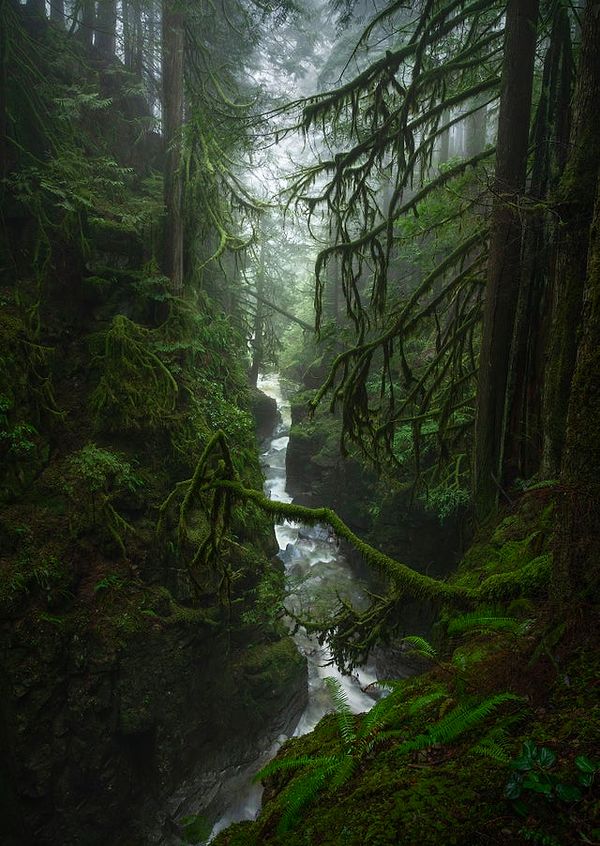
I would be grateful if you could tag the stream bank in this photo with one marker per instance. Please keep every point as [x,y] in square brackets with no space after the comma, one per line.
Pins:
[316,573]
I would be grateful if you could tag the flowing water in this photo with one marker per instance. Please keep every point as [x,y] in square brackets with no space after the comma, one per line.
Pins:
[316,573]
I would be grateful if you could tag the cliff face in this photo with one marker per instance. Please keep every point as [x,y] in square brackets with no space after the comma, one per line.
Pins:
[101,733]
[131,674]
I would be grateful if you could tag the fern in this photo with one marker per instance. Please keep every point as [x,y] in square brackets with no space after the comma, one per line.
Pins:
[494,745]
[345,718]
[487,621]
[278,765]
[422,702]
[301,792]
[460,720]
[421,647]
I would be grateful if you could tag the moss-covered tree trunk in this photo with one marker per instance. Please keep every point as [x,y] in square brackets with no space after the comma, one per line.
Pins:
[577,549]
[259,321]
[173,42]
[444,143]
[504,266]
[575,207]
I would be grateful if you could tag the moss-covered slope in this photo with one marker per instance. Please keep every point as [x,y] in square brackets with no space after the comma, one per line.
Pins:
[497,743]
[125,671]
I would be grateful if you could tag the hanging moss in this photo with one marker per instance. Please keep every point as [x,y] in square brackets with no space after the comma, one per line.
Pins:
[136,389]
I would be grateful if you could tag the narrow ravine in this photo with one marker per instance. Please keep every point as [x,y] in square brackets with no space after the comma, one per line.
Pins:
[316,571]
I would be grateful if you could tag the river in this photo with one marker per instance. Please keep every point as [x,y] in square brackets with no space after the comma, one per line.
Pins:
[315,572]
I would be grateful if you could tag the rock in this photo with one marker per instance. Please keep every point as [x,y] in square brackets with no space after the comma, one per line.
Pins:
[266,415]
[109,749]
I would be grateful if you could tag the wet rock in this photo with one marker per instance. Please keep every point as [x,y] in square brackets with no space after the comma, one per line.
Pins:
[266,415]
[102,744]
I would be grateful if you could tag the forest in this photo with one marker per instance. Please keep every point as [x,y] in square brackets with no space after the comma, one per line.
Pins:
[299,422]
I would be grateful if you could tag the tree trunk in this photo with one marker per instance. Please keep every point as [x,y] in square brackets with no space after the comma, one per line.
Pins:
[57,12]
[173,49]
[128,33]
[504,264]
[36,8]
[444,148]
[475,130]
[257,343]
[106,28]
[575,207]
[523,452]
[576,565]
[85,33]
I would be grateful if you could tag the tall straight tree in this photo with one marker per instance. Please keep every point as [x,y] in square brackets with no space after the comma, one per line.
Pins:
[550,137]
[173,45]
[504,263]
[576,563]
[575,207]
[85,33]
[105,38]
[57,12]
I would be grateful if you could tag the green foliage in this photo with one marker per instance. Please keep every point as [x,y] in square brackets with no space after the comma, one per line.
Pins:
[447,501]
[93,480]
[15,438]
[109,582]
[100,470]
[267,600]
[532,835]
[378,726]
[136,390]
[45,576]
[487,621]
[196,828]
[533,776]
[495,745]
[457,722]
[421,647]
[334,769]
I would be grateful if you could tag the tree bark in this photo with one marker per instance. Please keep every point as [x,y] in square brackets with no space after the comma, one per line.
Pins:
[57,12]
[257,344]
[85,33]
[575,205]
[475,130]
[524,426]
[173,50]
[576,563]
[105,37]
[444,148]
[36,8]
[504,265]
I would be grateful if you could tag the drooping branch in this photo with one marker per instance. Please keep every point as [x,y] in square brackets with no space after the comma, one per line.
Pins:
[412,583]
[306,326]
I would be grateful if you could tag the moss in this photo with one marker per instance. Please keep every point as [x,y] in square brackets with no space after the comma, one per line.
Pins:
[136,390]
[530,580]
[452,794]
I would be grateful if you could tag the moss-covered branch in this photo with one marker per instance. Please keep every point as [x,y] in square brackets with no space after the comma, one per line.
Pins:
[412,583]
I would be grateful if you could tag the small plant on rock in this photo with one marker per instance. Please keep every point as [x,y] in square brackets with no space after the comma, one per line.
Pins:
[94,478]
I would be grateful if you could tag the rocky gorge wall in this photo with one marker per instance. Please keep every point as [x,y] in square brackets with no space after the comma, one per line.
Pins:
[100,734]
[122,700]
